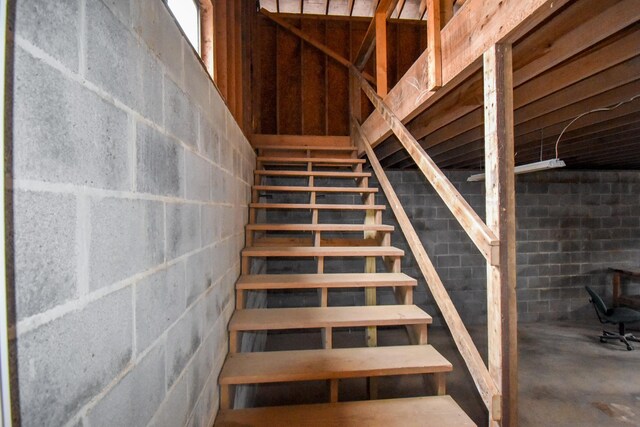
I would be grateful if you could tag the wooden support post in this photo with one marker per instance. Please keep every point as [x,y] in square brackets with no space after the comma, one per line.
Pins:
[433,45]
[381,53]
[500,208]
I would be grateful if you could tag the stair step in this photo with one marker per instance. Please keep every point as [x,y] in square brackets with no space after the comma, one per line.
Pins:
[307,147]
[429,411]
[336,363]
[323,317]
[319,206]
[320,227]
[328,174]
[327,280]
[331,160]
[284,188]
[322,251]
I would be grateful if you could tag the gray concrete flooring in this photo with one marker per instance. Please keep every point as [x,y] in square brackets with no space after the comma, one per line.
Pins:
[566,376]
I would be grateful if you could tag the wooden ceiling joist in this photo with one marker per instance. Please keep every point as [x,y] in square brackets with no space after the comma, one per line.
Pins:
[470,144]
[467,97]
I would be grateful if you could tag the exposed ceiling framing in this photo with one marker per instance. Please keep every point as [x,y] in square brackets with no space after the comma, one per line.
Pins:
[413,10]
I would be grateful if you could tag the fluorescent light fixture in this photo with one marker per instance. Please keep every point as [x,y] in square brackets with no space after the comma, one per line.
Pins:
[530,167]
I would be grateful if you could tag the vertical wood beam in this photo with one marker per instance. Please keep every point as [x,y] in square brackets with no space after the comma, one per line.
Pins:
[221,54]
[500,209]
[381,52]
[433,45]
[239,111]
[206,34]
[231,54]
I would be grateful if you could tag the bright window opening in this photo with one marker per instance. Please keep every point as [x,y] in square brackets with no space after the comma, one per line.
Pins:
[187,13]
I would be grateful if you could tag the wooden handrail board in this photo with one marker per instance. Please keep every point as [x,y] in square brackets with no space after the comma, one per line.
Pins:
[321,317]
[311,365]
[479,372]
[324,251]
[328,174]
[331,280]
[484,239]
[328,160]
[302,189]
[319,206]
[428,411]
[320,227]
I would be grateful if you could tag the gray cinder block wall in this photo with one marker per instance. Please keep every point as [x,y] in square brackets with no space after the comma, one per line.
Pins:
[128,183]
[571,226]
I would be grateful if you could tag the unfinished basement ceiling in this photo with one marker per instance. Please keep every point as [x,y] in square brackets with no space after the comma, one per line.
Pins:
[406,9]
[585,57]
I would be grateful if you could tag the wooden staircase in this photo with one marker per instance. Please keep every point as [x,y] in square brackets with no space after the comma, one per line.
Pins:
[318,242]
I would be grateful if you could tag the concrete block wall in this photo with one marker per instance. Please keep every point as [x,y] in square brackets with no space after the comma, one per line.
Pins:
[571,226]
[128,185]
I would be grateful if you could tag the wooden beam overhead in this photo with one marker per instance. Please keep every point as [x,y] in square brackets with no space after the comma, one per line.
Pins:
[422,9]
[398,10]
[326,50]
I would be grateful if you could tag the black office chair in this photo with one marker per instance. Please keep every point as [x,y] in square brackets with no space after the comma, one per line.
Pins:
[616,315]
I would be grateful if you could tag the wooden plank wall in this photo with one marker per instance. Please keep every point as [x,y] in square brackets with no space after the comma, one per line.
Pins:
[299,90]
[233,32]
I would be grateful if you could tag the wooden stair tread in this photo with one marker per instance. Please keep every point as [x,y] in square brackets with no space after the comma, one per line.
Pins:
[296,188]
[337,160]
[320,227]
[330,280]
[307,147]
[317,206]
[312,365]
[332,174]
[427,411]
[329,251]
[321,317]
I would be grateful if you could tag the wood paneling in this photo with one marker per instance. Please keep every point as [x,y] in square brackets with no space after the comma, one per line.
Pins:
[314,82]
[289,82]
[299,90]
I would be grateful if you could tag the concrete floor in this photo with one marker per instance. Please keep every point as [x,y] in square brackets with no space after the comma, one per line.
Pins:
[566,376]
